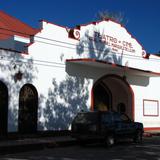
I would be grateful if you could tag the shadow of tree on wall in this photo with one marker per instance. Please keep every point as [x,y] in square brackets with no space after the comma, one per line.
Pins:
[64,101]
[96,48]
[11,64]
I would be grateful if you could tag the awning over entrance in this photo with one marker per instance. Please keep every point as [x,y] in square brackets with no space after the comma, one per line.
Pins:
[114,67]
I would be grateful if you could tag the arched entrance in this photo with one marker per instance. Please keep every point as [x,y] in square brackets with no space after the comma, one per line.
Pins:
[28,106]
[112,92]
[3,109]
[102,97]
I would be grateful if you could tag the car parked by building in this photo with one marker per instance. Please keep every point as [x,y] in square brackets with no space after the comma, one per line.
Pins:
[106,126]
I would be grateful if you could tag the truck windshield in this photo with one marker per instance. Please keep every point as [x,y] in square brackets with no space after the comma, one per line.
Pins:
[86,118]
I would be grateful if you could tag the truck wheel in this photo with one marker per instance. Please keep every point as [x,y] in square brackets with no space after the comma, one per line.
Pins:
[110,140]
[138,137]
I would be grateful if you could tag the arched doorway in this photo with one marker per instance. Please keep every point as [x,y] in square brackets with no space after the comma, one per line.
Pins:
[115,92]
[102,97]
[28,106]
[3,109]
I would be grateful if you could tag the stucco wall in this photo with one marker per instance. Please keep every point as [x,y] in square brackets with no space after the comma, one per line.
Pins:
[64,88]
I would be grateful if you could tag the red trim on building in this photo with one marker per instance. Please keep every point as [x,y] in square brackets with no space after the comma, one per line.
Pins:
[129,87]
[92,99]
[133,99]
[152,129]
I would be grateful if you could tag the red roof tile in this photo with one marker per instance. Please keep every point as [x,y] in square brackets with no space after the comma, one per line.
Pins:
[10,26]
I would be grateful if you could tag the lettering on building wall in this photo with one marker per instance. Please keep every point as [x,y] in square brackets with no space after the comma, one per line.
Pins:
[114,43]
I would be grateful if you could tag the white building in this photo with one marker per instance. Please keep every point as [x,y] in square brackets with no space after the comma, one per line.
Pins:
[98,66]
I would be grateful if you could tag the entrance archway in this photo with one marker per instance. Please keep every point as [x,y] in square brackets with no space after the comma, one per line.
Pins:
[28,106]
[3,109]
[115,94]
[102,97]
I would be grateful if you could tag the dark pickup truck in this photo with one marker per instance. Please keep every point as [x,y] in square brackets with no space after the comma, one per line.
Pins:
[106,126]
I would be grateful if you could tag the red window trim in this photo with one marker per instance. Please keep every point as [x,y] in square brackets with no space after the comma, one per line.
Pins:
[151,115]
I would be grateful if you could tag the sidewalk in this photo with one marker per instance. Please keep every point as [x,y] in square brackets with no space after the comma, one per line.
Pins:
[28,144]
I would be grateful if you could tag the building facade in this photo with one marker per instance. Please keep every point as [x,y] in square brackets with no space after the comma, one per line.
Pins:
[59,71]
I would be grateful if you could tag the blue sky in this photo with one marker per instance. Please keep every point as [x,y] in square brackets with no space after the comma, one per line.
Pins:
[143,16]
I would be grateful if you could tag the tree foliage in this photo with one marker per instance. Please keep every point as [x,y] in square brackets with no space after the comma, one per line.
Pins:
[115,16]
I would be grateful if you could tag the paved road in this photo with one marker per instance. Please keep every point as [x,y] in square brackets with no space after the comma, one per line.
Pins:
[149,150]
